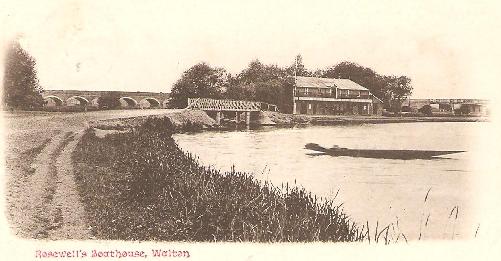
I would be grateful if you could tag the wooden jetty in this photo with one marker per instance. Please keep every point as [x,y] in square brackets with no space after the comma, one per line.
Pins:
[232,110]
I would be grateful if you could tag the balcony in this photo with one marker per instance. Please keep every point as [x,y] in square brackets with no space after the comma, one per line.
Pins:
[333,95]
[314,94]
[353,96]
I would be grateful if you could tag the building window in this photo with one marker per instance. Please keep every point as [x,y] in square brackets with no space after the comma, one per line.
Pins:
[309,106]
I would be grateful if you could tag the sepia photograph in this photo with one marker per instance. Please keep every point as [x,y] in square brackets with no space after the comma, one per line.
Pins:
[256,130]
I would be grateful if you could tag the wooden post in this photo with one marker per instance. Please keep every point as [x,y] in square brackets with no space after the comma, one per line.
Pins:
[237,118]
[247,118]
[218,117]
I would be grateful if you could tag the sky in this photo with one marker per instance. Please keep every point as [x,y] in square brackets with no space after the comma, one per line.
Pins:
[448,48]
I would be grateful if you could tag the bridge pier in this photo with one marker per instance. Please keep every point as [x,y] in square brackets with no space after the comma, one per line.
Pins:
[240,116]
[247,118]
[218,117]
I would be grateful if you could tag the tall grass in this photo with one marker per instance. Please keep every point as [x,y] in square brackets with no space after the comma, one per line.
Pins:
[141,186]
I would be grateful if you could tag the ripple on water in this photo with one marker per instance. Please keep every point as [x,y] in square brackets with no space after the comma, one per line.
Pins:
[366,186]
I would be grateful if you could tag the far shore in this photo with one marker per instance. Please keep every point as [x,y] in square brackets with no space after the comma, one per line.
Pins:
[326,119]
[196,120]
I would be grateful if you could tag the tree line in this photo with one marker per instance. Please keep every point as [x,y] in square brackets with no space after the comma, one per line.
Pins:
[274,84]
[258,82]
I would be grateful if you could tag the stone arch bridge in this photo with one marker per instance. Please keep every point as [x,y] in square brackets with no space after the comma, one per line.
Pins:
[75,98]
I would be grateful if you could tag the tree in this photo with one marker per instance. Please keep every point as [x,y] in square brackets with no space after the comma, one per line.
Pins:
[392,90]
[364,76]
[200,81]
[21,86]
[264,83]
[298,68]
[241,91]
[398,89]
[109,100]
[270,91]
[258,72]
[318,73]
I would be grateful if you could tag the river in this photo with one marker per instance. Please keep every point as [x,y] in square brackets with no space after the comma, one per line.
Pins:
[375,191]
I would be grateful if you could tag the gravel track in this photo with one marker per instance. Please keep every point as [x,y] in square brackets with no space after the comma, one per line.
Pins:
[68,214]
[41,194]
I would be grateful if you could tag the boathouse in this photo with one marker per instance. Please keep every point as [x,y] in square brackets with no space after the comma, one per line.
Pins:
[326,96]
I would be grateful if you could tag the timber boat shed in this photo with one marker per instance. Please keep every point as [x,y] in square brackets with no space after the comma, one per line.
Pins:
[327,96]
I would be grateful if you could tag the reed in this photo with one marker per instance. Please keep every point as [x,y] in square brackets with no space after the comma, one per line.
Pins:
[141,186]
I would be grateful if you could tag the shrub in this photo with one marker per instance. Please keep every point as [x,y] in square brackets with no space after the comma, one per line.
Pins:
[406,109]
[426,110]
[463,110]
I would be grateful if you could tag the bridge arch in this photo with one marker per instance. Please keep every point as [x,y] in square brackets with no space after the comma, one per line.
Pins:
[77,101]
[53,101]
[127,102]
[149,102]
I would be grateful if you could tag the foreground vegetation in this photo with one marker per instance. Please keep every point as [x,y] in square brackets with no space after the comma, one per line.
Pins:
[141,186]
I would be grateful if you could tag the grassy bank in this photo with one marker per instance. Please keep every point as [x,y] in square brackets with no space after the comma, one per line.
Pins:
[140,186]
[177,121]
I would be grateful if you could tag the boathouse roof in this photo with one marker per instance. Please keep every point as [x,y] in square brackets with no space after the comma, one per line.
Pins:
[315,82]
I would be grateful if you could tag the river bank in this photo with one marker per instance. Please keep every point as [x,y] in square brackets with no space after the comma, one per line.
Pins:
[141,158]
[289,119]
[138,185]
[196,120]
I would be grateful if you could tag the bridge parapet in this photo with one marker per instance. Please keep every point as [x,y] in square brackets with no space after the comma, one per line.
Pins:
[208,104]
[72,98]
[222,110]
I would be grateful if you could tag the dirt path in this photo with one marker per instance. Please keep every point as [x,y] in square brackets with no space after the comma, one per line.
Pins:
[41,197]
[68,211]
[44,201]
